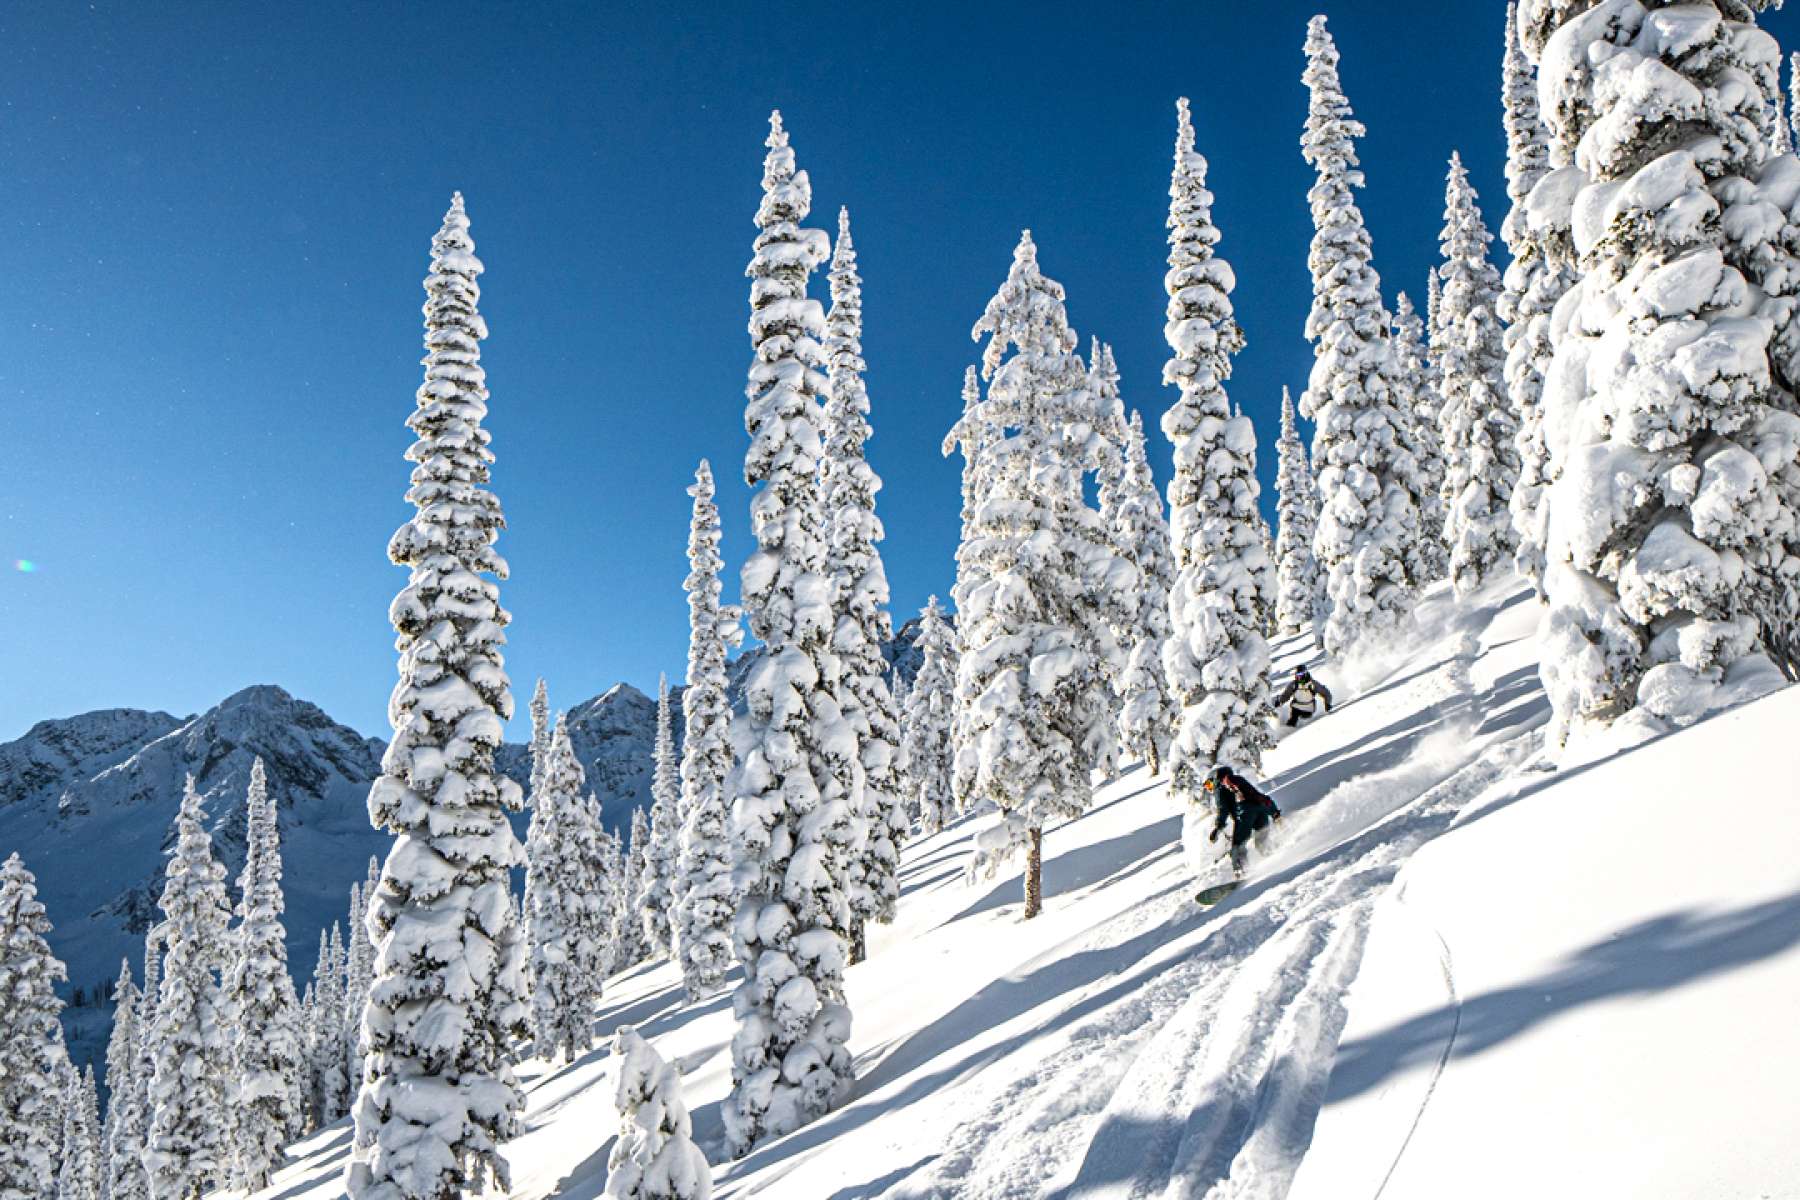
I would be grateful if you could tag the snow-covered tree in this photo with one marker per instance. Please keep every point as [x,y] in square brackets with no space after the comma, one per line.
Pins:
[859,589]
[1793,114]
[970,435]
[359,973]
[610,923]
[793,814]
[1539,238]
[1297,510]
[1369,481]
[147,1049]
[1658,393]
[1147,711]
[1043,582]
[79,1176]
[655,1157]
[325,1043]
[31,1041]
[1477,422]
[562,999]
[630,936]
[707,901]
[1781,139]
[540,736]
[1418,397]
[122,1138]
[190,1121]
[450,986]
[1216,658]
[930,708]
[660,857]
[266,1048]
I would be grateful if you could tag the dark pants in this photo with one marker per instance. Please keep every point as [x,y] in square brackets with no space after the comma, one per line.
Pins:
[1295,715]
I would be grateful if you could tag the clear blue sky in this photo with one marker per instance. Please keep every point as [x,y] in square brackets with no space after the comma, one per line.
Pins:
[214,220]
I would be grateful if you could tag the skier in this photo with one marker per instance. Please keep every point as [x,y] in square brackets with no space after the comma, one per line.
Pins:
[1250,812]
[1301,695]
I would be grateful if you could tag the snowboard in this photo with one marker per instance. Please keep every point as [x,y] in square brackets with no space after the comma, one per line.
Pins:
[1218,891]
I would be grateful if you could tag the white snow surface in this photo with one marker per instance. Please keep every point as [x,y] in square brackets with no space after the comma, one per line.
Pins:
[1454,973]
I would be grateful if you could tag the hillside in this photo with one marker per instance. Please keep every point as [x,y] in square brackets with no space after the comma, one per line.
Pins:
[1128,1043]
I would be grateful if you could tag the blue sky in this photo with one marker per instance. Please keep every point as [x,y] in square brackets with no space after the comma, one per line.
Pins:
[215,219]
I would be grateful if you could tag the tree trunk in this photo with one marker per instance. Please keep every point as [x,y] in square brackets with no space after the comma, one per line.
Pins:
[1034,873]
[859,942]
[1150,755]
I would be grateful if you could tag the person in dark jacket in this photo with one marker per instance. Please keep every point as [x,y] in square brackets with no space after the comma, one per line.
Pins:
[1303,695]
[1241,804]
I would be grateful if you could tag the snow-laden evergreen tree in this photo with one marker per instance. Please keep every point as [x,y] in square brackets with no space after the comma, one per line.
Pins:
[707,901]
[1418,397]
[78,1177]
[266,1048]
[325,1044]
[661,861]
[1781,133]
[609,914]
[147,1048]
[794,809]
[859,588]
[190,1123]
[1477,421]
[1043,581]
[31,1041]
[970,435]
[1216,658]
[122,1138]
[930,710]
[631,940]
[1370,484]
[593,948]
[655,1157]
[1297,512]
[450,985]
[1793,113]
[1147,712]
[540,736]
[359,974]
[1538,236]
[562,999]
[1658,395]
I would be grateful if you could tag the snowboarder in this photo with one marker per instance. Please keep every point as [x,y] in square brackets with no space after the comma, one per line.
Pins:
[1249,811]
[1302,695]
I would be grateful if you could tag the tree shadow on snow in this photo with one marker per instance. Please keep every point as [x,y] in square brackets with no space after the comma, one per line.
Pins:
[1656,955]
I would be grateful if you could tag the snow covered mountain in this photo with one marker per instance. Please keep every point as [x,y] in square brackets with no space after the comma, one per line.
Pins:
[1457,971]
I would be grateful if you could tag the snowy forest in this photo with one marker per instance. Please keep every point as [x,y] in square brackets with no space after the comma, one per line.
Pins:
[1543,504]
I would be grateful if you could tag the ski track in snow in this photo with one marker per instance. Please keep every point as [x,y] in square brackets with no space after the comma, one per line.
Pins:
[1437,1072]
[1168,1111]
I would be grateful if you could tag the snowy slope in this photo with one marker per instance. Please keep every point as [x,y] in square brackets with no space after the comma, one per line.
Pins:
[1130,1044]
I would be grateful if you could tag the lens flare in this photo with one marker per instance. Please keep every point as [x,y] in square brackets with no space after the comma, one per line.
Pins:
[24,565]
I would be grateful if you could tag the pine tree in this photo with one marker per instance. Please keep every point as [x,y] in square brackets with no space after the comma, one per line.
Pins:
[631,936]
[660,861]
[327,1058]
[708,900]
[1217,659]
[1539,237]
[793,817]
[930,709]
[1780,134]
[123,1137]
[1660,496]
[593,948]
[359,974]
[655,1157]
[1297,507]
[189,1148]
[1794,96]
[78,1178]
[563,996]
[266,1047]
[147,1047]
[848,486]
[449,993]
[1043,581]
[31,1041]
[1477,421]
[612,923]
[971,435]
[1369,480]
[1141,534]
[1418,396]
[540,737]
